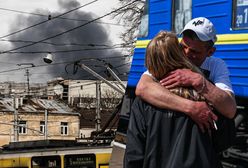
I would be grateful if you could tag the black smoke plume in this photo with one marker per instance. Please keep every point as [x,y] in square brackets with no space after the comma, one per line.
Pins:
[93,38]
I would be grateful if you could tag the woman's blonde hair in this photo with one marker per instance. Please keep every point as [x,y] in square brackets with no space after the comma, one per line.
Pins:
[164,54]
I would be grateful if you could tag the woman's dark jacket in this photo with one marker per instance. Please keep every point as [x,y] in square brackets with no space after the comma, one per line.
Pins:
[158,138]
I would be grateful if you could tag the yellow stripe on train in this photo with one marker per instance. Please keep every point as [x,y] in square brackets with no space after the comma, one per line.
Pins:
[222,39]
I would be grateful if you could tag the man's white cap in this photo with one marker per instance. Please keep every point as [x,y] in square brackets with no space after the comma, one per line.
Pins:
[203,28]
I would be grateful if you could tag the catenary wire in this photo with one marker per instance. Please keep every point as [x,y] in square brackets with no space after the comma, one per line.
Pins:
[72,19]
[68,44]
[67,31]
[48,19]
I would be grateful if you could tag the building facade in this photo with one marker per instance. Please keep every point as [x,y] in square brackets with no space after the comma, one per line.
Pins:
[84,94]
[10,88]
[37,119]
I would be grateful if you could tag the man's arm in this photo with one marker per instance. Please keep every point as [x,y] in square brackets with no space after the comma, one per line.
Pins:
[222,100]
[159,96]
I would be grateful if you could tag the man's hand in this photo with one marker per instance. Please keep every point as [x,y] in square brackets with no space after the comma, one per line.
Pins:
[181,77]
[203,116]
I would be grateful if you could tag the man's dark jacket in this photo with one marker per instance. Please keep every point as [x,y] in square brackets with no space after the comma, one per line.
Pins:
[159,138]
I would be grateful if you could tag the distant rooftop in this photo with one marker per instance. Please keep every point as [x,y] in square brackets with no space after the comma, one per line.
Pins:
[35,105]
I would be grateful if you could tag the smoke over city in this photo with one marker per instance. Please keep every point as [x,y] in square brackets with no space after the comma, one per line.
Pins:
[90,41]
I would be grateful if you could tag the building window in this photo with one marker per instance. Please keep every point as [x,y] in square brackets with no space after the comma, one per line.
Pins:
[64,128]
[42,127]
[22,129]
[182,14]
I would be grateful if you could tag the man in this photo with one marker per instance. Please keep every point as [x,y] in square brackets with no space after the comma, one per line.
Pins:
[199,36]
[165,138]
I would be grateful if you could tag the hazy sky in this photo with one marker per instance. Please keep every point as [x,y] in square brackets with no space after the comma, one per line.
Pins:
[67,38]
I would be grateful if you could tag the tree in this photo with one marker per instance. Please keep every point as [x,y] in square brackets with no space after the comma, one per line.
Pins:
[110,99]
[130,16]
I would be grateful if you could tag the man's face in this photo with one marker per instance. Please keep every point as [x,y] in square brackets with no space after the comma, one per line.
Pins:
[195,51]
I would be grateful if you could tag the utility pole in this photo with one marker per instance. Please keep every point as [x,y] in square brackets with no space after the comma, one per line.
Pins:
[98,99]
[27,74]
[46,127]
[16,135]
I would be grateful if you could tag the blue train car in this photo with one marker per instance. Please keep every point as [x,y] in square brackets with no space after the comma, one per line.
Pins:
[230,18]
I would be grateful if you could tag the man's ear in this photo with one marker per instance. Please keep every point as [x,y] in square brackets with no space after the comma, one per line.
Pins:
[211,51]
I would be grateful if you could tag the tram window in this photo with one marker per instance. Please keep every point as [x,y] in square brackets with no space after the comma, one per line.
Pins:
[182,14]
[240,14]
[80,161]
[46,162]
[143,27]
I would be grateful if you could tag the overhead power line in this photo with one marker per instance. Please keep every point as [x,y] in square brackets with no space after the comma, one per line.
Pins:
[48,19]
[59,63]
[1,62]
[66,51]
[17,11]
[64,18]
[67,31]
[69,44]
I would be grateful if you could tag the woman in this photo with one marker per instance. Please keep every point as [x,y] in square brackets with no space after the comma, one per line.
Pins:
[164,49]
[164,138]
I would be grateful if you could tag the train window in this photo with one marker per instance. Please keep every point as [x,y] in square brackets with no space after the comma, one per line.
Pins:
[46,162]
[182,13]
[240,14]
[143,27]
[80,161]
